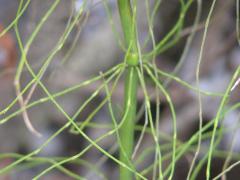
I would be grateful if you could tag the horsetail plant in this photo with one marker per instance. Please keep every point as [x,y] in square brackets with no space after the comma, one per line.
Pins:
[138,69]
[126,132]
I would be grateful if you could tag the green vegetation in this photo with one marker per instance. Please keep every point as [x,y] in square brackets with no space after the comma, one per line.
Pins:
[139,70]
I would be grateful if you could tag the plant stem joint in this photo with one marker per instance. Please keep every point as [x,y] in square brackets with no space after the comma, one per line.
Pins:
[132,59]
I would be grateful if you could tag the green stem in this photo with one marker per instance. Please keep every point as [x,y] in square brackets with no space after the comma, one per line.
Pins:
[126,132]
[127,20]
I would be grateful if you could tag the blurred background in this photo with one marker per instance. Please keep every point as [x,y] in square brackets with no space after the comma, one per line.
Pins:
[91,47]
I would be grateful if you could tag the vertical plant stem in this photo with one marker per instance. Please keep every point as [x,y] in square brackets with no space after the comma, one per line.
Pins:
[128,22]
[126,132]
